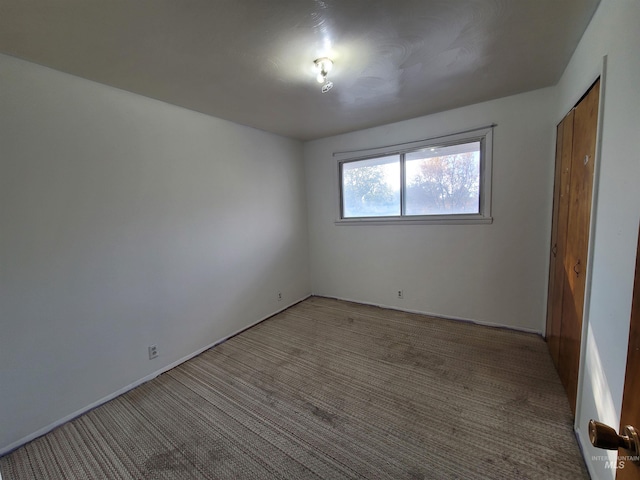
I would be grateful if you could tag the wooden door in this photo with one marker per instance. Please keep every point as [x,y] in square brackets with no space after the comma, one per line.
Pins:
[630,414]
[577,245]
[564,145]
[573,188]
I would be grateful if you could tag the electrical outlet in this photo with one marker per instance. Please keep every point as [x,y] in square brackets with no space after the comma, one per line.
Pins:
[153,351]
[279,296]
[400,294]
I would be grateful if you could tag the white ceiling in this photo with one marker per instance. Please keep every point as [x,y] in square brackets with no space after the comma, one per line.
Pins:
[251,61]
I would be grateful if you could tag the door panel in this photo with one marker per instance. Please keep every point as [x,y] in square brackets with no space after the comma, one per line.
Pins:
[564,145]
[631,397]
[573,186]
[577,245]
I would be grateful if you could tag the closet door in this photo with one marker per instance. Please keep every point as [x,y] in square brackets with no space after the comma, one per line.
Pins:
[564,146]
[577,245]
[575,151]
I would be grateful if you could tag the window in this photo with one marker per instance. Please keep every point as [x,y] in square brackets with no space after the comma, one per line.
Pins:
[442,180]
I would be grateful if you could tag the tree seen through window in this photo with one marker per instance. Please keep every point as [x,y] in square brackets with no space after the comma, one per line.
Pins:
[437,181]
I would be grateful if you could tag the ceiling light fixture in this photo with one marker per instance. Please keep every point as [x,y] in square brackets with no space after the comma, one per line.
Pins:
[323,67]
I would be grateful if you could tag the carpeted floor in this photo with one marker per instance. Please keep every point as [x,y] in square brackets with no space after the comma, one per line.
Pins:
[330,389]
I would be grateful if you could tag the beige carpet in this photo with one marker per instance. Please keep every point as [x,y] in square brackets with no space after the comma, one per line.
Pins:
[330,389]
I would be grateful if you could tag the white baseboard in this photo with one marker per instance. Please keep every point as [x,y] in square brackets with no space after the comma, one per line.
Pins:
[438,315]
[131,386]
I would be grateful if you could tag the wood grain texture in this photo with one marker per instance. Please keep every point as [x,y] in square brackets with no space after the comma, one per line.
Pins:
[585,126]
[564,147]
[334,390]
[631,397]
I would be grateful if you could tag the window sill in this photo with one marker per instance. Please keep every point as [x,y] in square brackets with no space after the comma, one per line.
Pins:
[431,220]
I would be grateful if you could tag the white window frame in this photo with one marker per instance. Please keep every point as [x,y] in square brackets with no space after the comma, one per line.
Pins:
[483,134]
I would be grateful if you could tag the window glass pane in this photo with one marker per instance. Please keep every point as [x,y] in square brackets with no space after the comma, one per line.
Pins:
[371,188]
[443,180]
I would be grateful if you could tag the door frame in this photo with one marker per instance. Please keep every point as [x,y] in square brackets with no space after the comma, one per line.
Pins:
[592,230]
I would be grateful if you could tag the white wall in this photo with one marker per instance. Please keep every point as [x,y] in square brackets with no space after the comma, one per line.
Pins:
[488,273]
[126,222]
[613,32]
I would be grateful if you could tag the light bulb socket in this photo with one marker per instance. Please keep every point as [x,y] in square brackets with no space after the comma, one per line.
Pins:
[324,65]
